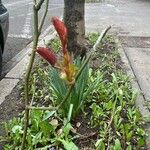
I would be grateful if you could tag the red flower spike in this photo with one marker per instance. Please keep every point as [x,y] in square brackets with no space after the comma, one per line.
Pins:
[62,32]
[47,54]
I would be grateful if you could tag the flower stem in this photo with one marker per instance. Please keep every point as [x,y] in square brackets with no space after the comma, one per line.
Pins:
[40,108]
[32,57]
[27,77]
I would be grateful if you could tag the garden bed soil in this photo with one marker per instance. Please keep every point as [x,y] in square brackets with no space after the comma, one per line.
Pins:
[10,108]
[89,135]
[13,104]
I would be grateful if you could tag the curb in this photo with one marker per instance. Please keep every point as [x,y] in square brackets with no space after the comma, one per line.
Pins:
[12,78]
[140,101]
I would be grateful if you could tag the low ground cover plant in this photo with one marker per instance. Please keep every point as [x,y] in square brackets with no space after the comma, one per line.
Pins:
[99,113]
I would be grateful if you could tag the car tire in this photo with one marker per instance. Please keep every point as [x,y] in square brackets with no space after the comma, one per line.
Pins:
[0,61]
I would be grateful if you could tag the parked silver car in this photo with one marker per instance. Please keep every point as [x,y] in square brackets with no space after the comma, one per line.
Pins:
[4,26]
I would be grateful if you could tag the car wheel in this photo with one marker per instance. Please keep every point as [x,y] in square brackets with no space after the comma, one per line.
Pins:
[0,60]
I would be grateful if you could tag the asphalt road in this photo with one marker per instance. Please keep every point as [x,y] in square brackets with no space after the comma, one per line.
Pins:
[21,25]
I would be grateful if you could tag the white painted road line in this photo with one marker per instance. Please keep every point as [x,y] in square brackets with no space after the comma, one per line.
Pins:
[17,3]
[27,26]
[20,36]
[56,8]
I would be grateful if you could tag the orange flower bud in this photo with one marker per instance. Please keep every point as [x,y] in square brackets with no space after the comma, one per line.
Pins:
[47,54]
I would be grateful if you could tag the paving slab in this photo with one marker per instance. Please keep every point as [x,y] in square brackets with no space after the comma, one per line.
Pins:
[6,86]
[135,41]
[13,77]
[140,62]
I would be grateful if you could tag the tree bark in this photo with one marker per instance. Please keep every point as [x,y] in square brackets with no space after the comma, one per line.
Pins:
[74,20]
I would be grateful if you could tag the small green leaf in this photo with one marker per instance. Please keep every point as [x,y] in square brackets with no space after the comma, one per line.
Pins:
[36,115]
[100,145]
[117,145]
[109,105]
[129,147]
[69,145]
[36,138]
[17,128]
[70,112]
[46,128]
[48,115]
[114,77]
[141,142]
[7,147]
[67,128]
[129,135]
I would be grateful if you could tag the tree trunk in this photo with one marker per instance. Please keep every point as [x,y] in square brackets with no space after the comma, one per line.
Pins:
[74,20]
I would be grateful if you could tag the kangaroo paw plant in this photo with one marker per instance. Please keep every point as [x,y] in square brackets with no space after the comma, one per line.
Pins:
[65,65]
[63,73]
